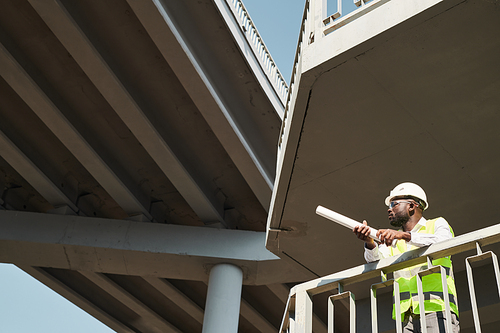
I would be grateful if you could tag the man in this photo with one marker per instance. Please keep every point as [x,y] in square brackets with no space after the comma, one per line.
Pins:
[406,203]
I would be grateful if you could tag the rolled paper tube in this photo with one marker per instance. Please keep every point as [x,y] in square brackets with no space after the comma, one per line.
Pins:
[343,220]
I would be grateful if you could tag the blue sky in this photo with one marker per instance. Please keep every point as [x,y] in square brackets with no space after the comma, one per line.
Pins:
[278,22]
[26,305]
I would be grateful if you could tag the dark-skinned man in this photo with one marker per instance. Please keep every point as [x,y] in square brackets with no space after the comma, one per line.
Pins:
[406,203]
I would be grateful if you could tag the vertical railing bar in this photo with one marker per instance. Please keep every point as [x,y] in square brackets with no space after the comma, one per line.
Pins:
[397,307]
[303,312]
[324,9]
[352,313]
[478,248]
[494,258]
[472,292]
[429,262]
[446,297]
[331,315]
[373,303]
[470,280]
[421,303]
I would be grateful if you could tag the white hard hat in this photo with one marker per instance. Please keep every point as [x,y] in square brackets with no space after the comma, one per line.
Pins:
[408,190]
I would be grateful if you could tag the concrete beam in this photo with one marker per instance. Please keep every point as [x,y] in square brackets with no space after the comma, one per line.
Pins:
[279,290]
[33,175]
[133,236]
[204,203]
[255,318]
[150,318]
[177,52]
[176,296]
[22,83]
[137,248]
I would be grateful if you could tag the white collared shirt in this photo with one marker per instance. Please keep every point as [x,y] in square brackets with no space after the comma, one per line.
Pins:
[441,232]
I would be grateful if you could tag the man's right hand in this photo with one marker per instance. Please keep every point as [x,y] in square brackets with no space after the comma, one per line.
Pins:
[363,233]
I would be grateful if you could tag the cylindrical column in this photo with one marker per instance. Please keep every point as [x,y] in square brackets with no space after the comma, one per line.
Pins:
[222,309]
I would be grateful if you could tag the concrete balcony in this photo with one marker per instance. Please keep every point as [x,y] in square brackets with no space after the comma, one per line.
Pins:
[406,92]
[395,91]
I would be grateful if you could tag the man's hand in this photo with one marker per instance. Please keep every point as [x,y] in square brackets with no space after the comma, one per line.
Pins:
[388,236]
[363,233]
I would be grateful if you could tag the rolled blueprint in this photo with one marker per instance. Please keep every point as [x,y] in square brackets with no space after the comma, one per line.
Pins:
[343,220]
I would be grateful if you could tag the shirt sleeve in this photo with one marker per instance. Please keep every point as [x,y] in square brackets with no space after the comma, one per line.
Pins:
[377,253]
[441,232]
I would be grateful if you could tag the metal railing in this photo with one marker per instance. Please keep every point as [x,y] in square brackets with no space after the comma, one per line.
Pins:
[339,19]
[262,53]
[299,308]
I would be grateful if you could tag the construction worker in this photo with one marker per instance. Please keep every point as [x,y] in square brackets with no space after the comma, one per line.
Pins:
[406,203]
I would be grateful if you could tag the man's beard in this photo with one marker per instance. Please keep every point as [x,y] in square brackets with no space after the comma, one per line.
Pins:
[399,220]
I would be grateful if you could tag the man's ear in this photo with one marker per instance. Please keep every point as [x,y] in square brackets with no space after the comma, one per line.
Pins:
[413,209]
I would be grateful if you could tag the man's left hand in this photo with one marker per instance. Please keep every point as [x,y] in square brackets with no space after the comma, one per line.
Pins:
[388,236]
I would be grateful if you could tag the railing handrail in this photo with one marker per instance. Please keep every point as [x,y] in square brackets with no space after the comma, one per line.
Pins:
[459,244]
[294,69]
[260,50]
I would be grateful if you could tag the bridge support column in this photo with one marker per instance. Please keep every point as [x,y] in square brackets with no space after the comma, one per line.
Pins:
[222,308]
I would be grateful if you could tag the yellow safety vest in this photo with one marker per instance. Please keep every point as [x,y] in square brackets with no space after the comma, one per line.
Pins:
[431,284]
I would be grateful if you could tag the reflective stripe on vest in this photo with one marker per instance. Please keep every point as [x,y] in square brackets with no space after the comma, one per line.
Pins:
[431,284]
